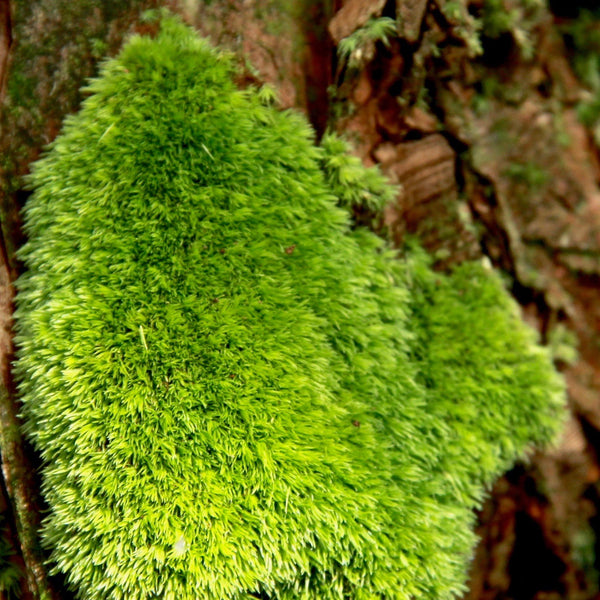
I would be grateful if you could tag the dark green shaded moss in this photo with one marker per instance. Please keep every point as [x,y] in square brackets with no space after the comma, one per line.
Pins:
[233,391]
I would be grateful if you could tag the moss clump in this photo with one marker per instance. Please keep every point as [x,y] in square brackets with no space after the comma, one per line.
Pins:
[485,376]
[235,394]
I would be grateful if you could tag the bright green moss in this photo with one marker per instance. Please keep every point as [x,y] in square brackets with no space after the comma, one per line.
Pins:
[351,183]
[487,379]
[235,394]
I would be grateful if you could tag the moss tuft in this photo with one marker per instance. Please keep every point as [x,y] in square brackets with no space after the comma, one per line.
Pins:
[235,393]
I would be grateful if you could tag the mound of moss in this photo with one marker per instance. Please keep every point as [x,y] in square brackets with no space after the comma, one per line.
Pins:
[235,393]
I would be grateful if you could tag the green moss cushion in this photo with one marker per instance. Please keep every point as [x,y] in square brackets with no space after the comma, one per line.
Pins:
[234,393]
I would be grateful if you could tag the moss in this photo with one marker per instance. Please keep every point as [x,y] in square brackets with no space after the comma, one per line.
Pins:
[528,173]
[479,26]
[10,574]
[235,393]
[563,344]
[479,363]
[358,47]
[583,40]
[352,184]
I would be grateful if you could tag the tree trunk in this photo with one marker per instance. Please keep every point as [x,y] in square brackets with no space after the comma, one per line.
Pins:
[483,113]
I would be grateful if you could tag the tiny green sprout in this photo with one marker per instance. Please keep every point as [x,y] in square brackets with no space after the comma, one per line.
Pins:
[528,173]
[11,575]
[563,344]
[267,95]
[354,49]
[583,34]
[151,15]
[353,184]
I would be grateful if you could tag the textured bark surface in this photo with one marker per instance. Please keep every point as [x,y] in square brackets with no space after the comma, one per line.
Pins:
[492,161]
[410,17]
[352,15]
[5,42]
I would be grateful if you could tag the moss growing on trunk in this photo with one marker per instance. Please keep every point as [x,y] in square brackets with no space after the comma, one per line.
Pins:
[235,394]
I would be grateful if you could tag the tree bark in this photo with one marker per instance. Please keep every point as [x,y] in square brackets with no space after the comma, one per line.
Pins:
[5,42]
